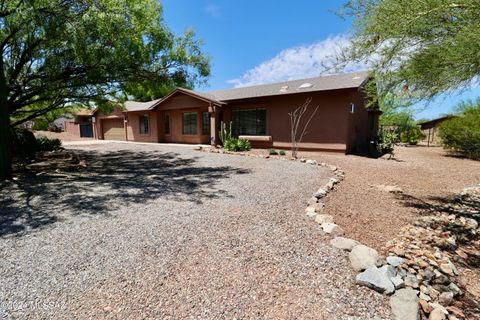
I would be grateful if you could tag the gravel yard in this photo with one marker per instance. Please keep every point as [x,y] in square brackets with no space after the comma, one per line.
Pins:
[150,231]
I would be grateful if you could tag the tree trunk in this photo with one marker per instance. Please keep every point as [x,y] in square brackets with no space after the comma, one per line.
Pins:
[5,155]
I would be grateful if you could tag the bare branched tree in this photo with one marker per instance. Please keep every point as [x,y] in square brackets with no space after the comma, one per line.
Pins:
[297,133]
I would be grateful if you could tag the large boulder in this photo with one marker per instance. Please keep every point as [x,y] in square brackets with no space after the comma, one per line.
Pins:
[376,279]
[404,304]
[344,243]
[361,257]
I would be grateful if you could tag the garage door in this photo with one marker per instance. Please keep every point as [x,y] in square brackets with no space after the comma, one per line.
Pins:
[113,129]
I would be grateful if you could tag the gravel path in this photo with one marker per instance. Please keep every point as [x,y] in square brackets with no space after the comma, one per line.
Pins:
[163,232]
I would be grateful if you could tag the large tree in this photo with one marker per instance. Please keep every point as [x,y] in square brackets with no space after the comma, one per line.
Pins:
[58,52]
[422,47]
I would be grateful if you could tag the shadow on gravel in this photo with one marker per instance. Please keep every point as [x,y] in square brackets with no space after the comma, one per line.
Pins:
[110,181]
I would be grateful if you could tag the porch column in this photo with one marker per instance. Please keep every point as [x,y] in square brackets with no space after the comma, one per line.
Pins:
[214,126]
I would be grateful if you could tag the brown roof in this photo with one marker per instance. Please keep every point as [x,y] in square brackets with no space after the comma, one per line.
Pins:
[325,83]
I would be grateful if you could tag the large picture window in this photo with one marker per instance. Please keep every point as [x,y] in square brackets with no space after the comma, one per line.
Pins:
[205,123]
[143,120]
[190,123]
[250,122]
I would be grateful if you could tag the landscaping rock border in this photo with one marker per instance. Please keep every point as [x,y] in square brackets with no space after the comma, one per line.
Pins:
[421,280]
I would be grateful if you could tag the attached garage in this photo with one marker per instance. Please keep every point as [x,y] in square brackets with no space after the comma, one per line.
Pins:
[113,129]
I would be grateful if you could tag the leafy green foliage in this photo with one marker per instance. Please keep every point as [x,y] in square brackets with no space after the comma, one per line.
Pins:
[56,53]
[234,144]
[46,144]
[272,152]
[386,142]
[282,153]
[462,134]
[225,134]
[420,48]
[412,136]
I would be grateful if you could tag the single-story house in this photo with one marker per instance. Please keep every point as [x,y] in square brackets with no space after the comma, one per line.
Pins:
[258,113]
[429,129]
[81,125]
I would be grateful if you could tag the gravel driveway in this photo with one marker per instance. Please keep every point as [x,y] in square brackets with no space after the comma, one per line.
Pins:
[151,231]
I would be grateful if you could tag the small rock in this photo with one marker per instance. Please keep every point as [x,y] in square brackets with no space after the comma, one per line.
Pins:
[332,228]
[411,281]
[310,212]
[361,257]
[323,218]
[389,189]
[320,193]
[454,289]
[438,306]
[303,160]
[376,279]
[445,298]
[448,268]
[397,282]
[312,201]
[456,311]
[437,314]
[471,223]
[424,296]
[425,306]
[399,251]
[343,243]
[404,304]
[388,270]
[333,168]
[319,206]
[312,162]
[394,261]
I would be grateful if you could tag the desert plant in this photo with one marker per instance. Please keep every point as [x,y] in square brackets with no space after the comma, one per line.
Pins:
[230,143]
[386,142]
[297,133]
[412,136]
[243,145]
[225,134]
[282,153]
[272,152]
[462,134]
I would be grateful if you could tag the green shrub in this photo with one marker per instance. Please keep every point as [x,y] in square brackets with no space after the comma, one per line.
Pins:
[23,143]
[462,134]
[386,141]
[45,144]
[412,136]
[272,152]
[234,144]
[282,153]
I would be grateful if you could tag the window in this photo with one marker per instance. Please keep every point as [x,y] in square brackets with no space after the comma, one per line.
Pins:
[252,122]
[143,124]
[166,123]
[189,123]
[206,123]
[352,107]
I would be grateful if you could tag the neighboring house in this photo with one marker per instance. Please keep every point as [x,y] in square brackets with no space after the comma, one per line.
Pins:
[258,113]
[429,129]
[81,125]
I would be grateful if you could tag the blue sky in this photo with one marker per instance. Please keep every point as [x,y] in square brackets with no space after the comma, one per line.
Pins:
[262,41]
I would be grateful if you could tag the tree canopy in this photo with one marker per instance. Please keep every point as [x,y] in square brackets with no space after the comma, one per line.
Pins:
[421,47]
[58,52]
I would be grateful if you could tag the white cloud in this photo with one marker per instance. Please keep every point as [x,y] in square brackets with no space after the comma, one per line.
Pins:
[299,62]
[213,10]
